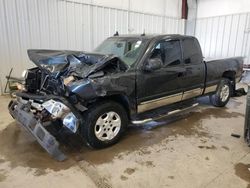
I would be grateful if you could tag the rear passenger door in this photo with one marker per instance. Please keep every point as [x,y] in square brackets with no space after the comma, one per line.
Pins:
[194,78]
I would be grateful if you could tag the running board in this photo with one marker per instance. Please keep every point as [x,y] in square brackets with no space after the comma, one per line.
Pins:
[164,115]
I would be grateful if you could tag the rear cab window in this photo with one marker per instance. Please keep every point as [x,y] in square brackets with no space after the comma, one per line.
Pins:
[169,51]
[191,51]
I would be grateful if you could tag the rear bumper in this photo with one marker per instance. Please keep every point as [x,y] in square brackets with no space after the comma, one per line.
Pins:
[21,113]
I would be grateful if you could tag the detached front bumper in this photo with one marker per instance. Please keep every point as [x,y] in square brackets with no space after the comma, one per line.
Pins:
[21,112]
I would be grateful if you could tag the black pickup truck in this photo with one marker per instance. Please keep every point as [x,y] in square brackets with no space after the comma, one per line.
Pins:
[126,79]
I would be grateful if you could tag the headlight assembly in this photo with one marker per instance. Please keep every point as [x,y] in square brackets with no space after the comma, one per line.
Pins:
[71,122]
[60,111]
[55,108]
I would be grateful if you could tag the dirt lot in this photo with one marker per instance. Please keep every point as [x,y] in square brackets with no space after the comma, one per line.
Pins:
[193,149]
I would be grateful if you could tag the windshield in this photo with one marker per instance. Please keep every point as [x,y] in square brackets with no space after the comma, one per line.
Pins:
[126,49]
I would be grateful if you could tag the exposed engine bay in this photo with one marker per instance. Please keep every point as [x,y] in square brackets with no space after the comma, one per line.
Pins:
[57,69]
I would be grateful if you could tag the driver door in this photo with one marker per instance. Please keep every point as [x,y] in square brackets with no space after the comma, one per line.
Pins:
[162,86]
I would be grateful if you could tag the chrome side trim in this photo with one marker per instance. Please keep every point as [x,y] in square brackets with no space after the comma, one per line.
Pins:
[149,105]
[192,93]
[210,89]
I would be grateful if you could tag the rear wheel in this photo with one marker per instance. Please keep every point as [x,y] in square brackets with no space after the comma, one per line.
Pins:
[104,124]
[223,93]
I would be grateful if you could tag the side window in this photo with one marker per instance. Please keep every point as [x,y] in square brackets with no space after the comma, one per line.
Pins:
[168,51]
[191,51]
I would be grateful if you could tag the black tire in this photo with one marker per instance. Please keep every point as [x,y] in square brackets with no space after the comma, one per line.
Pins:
[91,116]
[216,98]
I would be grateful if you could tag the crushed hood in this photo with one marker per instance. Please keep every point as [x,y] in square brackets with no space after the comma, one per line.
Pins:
[81,63]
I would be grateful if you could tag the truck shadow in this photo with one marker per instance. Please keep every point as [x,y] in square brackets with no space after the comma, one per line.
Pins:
[18,149]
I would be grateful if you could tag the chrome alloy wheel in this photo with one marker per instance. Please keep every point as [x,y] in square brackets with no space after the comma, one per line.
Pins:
[224,93]
[107,126]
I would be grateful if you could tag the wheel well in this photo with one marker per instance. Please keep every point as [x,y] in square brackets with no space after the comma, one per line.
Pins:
[230,75]
[121,99]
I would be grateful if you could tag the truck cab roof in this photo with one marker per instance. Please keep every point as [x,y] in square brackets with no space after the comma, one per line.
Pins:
[152,36]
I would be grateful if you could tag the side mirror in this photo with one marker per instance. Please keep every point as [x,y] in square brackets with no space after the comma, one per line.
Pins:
[153,64]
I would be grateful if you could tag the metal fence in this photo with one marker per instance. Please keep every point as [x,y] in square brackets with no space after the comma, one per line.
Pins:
[57,24]
[225,36]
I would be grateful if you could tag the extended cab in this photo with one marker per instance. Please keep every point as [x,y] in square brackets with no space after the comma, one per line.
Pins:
[128,78]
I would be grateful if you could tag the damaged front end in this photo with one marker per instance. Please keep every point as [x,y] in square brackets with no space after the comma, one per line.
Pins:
[38,115]
[58,91]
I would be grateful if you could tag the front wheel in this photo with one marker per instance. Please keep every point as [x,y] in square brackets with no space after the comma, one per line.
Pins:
[104,124]
[223,93]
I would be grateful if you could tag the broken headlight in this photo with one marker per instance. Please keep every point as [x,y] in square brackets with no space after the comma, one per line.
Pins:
[55,108]
[60,111]
[71,122]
